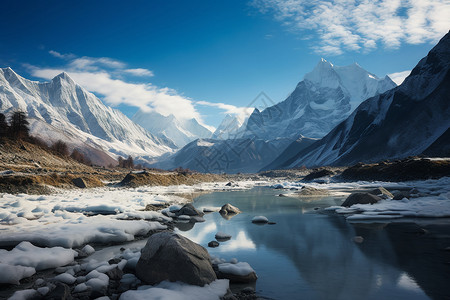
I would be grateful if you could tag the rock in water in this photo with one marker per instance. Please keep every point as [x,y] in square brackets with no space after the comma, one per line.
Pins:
[213,244]
[170,256]
[189,210]
[358,239]
[308,191]
[221,236]
[260,220]
[360,198]
[79,182]
[229,209]
[240,272]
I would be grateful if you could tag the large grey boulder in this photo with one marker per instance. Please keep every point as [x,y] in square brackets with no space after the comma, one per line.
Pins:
[170,256]
[189,210]
[79,182]
[360,198]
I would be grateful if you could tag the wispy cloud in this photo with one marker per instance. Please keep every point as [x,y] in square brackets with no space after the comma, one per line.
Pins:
[399,77]
[346,25]
[107,77]
[139,72]
[95,63]
[228,108]
[62,56]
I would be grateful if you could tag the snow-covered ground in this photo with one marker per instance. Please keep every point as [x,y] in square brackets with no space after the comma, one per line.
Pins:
[53,231]
[430,198]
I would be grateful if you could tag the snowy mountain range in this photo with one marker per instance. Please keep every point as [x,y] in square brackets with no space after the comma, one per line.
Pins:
[181,132]
[244,155]
[411,119]
[394,122]
[63,110]
[229,128]
[325,97]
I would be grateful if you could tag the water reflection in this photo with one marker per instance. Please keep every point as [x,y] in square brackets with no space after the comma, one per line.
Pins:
[312,256]
[240,242]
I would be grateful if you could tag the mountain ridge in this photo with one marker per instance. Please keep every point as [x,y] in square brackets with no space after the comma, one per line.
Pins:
[181,132]
[267,133]
[79,114]
[407,120]
[325,97]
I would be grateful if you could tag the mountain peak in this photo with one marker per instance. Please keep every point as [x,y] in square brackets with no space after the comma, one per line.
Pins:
[64,76]
[409,120]
[324,62]
[9,71]
[323,74]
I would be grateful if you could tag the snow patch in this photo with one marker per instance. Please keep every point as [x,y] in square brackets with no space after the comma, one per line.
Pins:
[179,291]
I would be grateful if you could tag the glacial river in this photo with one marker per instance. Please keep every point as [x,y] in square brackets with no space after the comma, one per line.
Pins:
[310,254]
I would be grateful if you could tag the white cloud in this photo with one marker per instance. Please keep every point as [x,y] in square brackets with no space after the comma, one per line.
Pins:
[243,112]
[62,56]
[346,25]
[93,63]
[107,77]
[139,72]
[398,77]
[103,76]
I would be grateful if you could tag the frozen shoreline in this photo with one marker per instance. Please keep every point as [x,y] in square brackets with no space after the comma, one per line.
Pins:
[74,218]
[71,219]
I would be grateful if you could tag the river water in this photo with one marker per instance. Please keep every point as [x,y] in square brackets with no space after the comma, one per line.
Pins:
[310,254]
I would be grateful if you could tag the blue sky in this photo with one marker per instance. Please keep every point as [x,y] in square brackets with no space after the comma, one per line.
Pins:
[206,58]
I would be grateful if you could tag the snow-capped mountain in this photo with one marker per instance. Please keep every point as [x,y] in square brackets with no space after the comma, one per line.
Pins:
[229,128]
[411,119]
[324,98]
[62,109]
[243,155]
[180,132]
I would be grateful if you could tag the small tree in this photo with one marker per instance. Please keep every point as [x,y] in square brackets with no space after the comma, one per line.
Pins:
[61,148]
[4,128]
[183,171]
[38,141]
[120,160]
[129,162]
[18,125]
[78,156]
